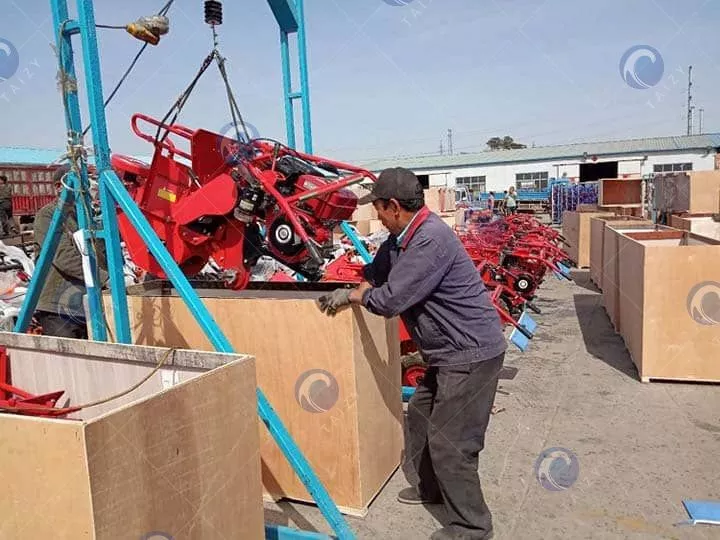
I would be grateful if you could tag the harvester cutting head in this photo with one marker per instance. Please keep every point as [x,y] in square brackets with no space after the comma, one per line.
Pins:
[262,198]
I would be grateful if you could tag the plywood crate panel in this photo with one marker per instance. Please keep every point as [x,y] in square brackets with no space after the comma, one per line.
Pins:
[669,305]
[171,456]
[611,267]
[440,199]
[620,191]
[576,230]
[702,226]
[597,241]
[356,351]
[696,192]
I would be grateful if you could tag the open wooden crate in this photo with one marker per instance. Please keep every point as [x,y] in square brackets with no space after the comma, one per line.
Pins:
[576,230]
[180,454]
[334,381]
[669,304]
[701,225]
[597,240]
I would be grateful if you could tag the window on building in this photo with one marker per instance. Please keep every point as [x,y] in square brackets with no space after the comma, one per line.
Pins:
[474,184]
[672,167]
[531,181]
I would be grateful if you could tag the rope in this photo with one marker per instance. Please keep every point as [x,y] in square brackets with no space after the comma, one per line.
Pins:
[102,401]
[157,368]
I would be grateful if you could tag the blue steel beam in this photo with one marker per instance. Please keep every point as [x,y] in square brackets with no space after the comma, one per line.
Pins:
[80,184]
[218,339]
[42,265]
[285,14]
[93,78]
[304,83]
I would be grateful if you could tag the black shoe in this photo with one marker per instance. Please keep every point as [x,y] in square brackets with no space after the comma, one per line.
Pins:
[411,496]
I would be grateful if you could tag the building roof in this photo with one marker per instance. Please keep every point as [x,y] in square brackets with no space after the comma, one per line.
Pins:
[547,153]
[17,155]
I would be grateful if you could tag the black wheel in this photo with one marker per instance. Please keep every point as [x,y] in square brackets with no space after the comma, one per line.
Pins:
[524,283]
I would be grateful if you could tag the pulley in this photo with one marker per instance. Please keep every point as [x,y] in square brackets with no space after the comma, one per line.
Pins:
[213,12]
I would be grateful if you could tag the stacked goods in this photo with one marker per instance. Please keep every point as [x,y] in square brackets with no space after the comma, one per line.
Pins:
[440,199]
[570,197]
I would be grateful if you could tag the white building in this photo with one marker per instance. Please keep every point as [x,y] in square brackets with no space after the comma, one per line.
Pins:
[531,168]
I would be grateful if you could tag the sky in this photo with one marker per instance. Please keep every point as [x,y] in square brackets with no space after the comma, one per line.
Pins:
[387,77]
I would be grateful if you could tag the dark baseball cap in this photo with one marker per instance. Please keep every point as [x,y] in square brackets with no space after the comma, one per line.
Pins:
[395,183]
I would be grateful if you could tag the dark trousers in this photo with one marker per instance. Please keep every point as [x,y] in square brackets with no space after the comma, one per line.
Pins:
[57,325]
[447,418]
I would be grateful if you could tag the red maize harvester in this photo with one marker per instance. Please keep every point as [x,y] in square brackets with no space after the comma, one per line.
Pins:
[235,202]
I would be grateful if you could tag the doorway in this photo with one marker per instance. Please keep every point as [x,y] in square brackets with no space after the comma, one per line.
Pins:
[592,172]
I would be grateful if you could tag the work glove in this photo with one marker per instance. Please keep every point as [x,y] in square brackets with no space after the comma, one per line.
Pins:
[330,303]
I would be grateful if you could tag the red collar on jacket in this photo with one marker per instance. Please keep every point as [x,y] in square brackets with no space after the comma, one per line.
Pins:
[418,220]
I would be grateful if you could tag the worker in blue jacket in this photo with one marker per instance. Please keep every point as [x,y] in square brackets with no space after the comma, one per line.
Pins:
[423,274]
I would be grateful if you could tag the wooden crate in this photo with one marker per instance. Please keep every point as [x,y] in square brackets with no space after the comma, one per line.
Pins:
[355,445]
[172,456]
[701,225]
[669,286]
[597,240]
[440,199]
[620,192]
[611,267]
[576,230]
[696,192]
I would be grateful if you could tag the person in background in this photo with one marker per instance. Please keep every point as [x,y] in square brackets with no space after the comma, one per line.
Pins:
[423,274]
[491,201]
[511,201]
[6,213]
[60,310]
[501,203]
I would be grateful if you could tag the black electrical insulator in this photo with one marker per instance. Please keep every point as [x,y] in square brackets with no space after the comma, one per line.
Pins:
[213,12]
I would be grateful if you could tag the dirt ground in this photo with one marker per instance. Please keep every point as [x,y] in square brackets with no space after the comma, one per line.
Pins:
[638,449]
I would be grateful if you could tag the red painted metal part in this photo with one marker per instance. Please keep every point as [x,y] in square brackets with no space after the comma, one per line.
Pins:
[16,401]
[197,208]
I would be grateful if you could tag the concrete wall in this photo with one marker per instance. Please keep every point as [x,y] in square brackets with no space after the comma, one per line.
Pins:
[499,177]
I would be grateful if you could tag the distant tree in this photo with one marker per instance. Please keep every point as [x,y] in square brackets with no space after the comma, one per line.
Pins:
[495,143]
[504,143]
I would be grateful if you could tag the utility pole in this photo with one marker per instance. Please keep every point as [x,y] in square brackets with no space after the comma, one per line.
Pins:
[700,131]
[690,106]
[450,142]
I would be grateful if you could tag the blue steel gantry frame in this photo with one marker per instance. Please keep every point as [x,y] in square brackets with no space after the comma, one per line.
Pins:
[112,195]
[290,16]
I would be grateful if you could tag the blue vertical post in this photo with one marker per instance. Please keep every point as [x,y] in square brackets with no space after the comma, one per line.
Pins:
[80,184]
[287,88]
[304,83]
[96,107]
[42,265]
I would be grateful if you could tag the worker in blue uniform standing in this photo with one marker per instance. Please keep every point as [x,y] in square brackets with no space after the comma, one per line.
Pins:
[423,274]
